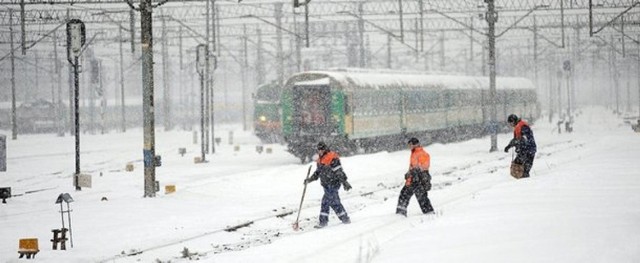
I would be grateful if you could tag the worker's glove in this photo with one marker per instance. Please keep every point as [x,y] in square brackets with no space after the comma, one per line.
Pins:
[346,186]
[406,175]
[506,149]
[308,180]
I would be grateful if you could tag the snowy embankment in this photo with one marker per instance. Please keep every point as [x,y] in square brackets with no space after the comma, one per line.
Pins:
[582,202]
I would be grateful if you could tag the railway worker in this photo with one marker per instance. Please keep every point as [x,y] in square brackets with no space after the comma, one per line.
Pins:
[523,141]
[331,175]
[417,180]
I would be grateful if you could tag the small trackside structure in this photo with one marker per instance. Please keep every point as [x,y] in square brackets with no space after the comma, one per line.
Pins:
[28,247]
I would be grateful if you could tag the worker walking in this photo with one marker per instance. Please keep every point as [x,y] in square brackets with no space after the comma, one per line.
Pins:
[331,175]
[417,180]
[523,141]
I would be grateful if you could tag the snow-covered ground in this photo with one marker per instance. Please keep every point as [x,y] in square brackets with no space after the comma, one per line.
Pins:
[582,203]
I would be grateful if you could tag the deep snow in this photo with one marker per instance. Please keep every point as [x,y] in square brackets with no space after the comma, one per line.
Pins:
[582,203]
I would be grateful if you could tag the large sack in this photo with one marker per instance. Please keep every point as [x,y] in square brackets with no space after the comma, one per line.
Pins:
[517,170]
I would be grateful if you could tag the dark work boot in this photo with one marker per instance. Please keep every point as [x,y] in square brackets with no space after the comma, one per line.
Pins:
[401,211]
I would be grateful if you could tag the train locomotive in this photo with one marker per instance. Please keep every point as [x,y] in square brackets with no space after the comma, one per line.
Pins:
[359,111]
[266,113]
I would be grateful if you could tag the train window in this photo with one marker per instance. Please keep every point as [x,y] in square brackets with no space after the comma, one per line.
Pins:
[424,101]
[448,99]
[434,101]
[312,104]
[467,98]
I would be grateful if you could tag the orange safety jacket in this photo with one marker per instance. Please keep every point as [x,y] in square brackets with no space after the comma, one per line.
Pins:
[329,170]
[517,131]
[327,158]
[419,159]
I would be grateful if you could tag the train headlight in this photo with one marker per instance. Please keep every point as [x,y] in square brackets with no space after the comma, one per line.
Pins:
[263,118]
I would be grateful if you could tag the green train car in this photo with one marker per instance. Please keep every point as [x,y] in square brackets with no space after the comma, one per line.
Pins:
[366,110]
[266,113]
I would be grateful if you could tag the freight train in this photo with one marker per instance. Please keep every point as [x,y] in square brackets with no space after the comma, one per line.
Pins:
[365,110]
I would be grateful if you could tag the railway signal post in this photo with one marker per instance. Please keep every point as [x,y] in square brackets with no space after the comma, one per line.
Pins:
[75,43]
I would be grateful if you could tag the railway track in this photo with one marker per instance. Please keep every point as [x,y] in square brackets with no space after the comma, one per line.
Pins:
[276,224]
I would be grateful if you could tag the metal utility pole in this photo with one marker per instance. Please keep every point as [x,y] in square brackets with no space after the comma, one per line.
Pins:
[23,39]
[58,103]
[306,23]
[132,29]
[280,56]
[215,23]
[622,36]
[535,53]
[122,110]
[245,64]
[214,19]
[492,18]
[362,63]
[217,13]
[485,47]
[416,28]
[182,89]
[388,51]
[628,78]
[550,93]
[471,55]
[259,57]
[211,95]
[168,125]
[442,51]
[207,77]
[103,100]
[94,82]
[202,57]
[401,21]
[562,20]
[559,77]
[36,91]
[212,109]
[574,70]
[568,70]
[298,40]
[421,12]
[594,55]
[638,68]
[149,149]
[14,125]
[614,69]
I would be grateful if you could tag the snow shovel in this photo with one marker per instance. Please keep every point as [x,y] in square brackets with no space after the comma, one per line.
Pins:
[304,190]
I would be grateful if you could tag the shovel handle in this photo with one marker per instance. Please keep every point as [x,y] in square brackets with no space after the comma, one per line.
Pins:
[304,190]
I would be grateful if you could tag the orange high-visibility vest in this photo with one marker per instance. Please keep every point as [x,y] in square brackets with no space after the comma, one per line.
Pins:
[419,159]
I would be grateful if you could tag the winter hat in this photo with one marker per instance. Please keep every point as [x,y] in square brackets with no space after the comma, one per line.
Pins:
[323,146]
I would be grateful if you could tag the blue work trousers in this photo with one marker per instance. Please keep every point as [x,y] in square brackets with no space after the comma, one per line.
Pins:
[332,199]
